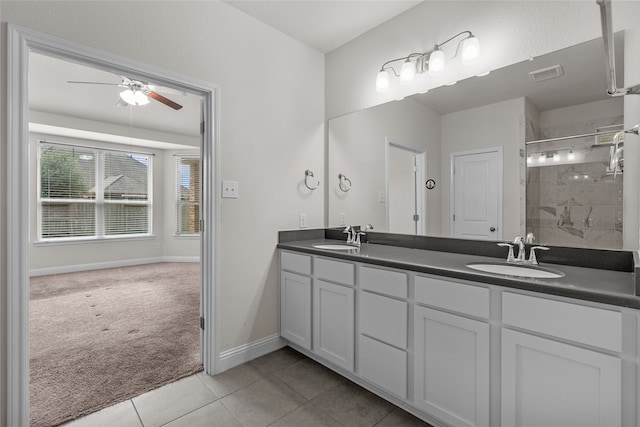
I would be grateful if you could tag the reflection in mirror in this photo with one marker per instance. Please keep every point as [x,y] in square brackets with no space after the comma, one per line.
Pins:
[512,105]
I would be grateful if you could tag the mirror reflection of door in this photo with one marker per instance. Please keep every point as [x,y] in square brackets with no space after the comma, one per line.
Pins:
[405,206]
[477,188]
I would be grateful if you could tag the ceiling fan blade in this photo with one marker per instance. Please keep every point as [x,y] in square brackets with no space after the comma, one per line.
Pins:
[165,101]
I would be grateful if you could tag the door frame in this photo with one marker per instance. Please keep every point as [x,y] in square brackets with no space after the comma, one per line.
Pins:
[421,173]
[452,202]
[21,41]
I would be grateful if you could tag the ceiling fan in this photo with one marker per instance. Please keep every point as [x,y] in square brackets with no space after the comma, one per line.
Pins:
[137,93]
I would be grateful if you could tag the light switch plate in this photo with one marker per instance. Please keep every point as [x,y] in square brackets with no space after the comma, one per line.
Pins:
[230,189]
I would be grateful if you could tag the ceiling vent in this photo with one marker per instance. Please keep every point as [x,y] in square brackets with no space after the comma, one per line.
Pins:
[546,73]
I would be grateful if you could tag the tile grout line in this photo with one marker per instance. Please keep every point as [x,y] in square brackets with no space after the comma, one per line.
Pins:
[137,413]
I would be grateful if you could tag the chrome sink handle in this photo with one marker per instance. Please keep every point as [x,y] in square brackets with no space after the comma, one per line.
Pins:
[532,254]
[510,257]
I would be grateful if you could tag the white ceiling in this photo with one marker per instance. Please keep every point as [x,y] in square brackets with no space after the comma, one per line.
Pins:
[50,92]
[326,24]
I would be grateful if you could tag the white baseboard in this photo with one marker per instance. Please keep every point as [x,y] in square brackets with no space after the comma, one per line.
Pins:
[244,353]
[110,264]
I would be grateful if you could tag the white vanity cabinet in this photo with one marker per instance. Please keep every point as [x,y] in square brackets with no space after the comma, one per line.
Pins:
[334,312]
[460,353]
[451,351]
[295,298]
[383,333]
[560,378]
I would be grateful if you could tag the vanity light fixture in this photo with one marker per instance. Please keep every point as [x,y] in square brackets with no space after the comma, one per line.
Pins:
[432,62]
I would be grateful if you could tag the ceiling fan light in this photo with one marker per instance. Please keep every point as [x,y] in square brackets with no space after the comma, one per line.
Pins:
[128,96]
[382,81]
[407,72]
[436,61]
[470,50]
[141,98]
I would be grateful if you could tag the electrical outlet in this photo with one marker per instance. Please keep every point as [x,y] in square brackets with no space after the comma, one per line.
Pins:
[382,197]
[302,218]
[230,189]
[343,218]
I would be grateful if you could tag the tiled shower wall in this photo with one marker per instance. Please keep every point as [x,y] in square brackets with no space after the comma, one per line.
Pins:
[577,203]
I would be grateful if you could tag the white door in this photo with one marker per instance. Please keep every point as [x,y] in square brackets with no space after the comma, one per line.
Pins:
[333,323]
[548,383]
[405,201]
[295,308]
[477,195]
[451,367]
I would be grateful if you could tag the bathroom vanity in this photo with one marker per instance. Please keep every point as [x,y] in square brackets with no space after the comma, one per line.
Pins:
[407,319]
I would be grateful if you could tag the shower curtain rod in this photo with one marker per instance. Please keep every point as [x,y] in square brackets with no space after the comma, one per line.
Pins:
[609,52]
[633,130]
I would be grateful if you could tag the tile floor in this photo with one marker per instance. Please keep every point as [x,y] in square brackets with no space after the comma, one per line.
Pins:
[283,388]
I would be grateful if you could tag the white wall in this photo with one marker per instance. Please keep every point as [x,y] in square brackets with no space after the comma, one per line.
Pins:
[495,125]
[272,126]
[509,32]
[578,114]
[357,148]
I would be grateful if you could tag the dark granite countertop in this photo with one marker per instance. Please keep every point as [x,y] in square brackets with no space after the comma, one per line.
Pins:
[591,284]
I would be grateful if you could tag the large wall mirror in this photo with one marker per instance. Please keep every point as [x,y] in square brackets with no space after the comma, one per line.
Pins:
[436,163]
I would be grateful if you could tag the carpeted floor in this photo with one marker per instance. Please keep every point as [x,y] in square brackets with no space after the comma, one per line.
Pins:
[103,336]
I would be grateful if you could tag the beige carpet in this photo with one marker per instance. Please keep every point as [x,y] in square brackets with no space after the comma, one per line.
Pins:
[103,336]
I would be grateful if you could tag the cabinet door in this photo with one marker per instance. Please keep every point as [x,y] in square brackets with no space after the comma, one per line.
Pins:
[451,367]
[295,309]
[333,323]
[548,383]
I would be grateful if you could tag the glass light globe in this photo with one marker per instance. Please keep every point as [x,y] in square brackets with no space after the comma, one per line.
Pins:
[470,50]
[407,72]
[382,81]
[436,61]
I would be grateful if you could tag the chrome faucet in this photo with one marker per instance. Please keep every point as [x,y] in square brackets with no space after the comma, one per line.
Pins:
[521,259]
[350,234]
[353,236]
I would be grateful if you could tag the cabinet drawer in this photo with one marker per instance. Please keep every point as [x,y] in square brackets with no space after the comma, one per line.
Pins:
[588,325]
[384,319]
[335,271]
[383,365]
[386,282]
[466,299]
[297,263]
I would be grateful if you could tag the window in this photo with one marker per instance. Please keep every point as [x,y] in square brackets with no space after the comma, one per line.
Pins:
[188,194]
[89,193]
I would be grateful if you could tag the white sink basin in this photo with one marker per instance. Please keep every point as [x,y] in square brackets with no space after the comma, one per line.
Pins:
[516,270]
[335,247]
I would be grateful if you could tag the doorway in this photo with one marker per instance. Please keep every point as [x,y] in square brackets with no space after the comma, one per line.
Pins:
[405,195]
[21,42]
[476,194]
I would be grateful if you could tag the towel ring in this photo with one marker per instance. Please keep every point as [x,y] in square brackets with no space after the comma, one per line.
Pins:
[344,183]
[308,174]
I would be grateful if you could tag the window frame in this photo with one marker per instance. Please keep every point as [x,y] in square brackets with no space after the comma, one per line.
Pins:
[99,201]
[178,195]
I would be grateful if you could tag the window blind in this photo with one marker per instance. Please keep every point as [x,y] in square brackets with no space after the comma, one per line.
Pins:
[92,193]
[188,194]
